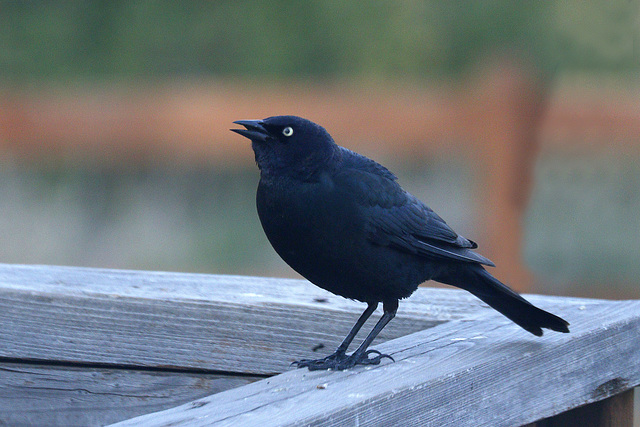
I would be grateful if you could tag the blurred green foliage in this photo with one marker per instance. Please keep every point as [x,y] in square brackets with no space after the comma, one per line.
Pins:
[322,38]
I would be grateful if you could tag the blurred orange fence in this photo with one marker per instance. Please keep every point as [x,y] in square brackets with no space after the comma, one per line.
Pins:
[496,121]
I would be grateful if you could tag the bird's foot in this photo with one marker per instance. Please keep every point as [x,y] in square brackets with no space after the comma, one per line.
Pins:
[323,363]
[340,361]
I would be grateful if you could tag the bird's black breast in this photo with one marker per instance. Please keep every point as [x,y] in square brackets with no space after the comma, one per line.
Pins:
[321,229]
[307,222]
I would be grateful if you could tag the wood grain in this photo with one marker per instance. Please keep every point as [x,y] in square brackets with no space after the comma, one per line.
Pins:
[89,347]
[66,396]
[188,321]
[459,373]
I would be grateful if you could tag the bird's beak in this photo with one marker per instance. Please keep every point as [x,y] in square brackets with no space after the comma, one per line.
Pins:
[254,130]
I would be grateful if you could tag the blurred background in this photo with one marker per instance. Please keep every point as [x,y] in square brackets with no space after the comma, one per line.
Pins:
[518,122]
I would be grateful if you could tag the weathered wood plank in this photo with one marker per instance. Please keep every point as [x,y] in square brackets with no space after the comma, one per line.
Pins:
[65,396]
[189,321]
[203,323]
[483,372]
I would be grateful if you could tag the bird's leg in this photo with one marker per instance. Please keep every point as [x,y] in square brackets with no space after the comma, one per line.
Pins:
[361,355]
[339,360]
[341,352]
[342,348]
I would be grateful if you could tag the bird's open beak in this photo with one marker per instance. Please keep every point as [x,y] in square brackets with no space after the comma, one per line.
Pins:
[254,130]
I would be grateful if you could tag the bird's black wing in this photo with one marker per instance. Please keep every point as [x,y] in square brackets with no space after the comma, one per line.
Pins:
[396,218]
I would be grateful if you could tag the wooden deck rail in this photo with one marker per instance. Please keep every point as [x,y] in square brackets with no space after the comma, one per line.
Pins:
[92,347]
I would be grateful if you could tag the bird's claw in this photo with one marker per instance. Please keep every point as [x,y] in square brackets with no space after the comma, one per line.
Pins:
[318,364]
[366,360]
[340,361]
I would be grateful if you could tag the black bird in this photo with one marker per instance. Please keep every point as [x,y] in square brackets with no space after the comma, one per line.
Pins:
[343,222]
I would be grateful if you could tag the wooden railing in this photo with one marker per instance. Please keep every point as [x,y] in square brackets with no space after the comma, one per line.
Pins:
[497,120]
[92,347]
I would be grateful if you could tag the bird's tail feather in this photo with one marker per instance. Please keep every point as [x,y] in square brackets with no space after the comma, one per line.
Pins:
[482,284]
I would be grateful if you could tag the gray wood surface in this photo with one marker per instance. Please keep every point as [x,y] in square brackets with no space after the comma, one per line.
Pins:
[188,321]
[77,345]
[459,373]
[88,347]
[72,396]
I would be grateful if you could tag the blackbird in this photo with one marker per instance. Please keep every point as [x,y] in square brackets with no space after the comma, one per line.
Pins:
[343,222]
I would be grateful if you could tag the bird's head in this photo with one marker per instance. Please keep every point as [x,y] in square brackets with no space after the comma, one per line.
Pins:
[289,145]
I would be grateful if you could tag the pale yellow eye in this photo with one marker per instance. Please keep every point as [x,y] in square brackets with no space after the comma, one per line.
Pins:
[288,131]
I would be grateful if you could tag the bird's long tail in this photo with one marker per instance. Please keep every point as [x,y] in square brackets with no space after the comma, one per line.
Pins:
[475,279]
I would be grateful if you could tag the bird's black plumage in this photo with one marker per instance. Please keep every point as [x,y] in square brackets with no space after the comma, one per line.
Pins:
[343,222]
